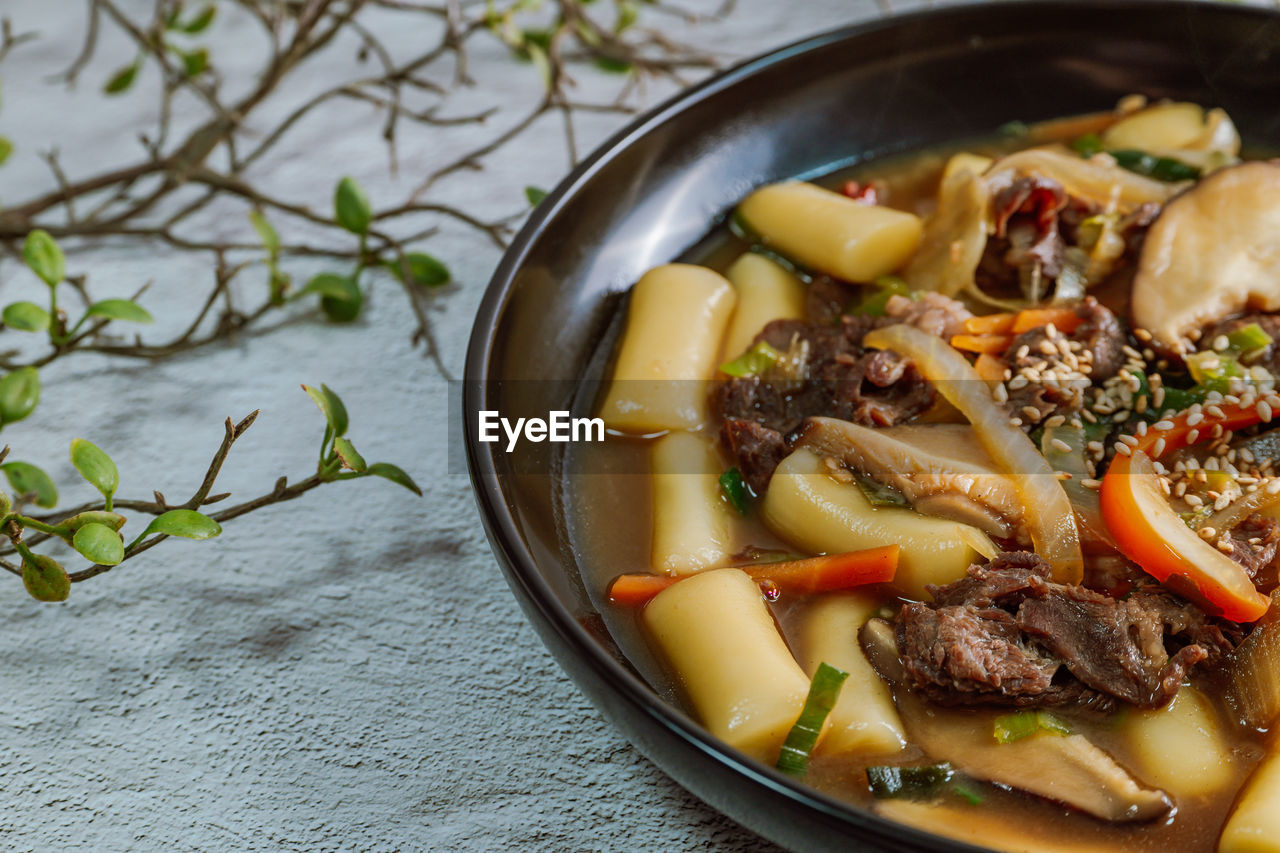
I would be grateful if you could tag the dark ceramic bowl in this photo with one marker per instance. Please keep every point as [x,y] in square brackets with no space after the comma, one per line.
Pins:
[654,189]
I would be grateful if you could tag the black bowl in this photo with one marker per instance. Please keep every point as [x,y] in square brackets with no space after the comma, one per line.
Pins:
[654,189]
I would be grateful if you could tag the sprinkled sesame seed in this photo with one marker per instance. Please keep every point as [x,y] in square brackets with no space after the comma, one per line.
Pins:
[1215,411]
[1095,446]
[1055,421]
[1089,416]
[1142,334]
[1224,545]
[1023,352]
[1208,533]
[1194,418]
[1015,422]
[1017,382]
[1162,425]
[1129,440]
[1159,447]
[1194,500]
[1091,484]
[1273,487]
[1051,330]
[1264,410]
[1222,503]
[1220,343]
[1160,469]
[1121,416]
[1001,394]
[1122,448]
[1061,445]
[1132,353]
[1180,489]
[1193,436]
[1031,412]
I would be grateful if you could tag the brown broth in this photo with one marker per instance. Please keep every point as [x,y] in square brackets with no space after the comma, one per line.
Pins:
[609,518]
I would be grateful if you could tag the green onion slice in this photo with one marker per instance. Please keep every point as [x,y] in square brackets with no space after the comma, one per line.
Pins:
[1248,339]
[754,361]
[874,303]
[734,489]
[880,494]
[823,692]
[1088,145]
[1014,727]
[1161,168]
[893,782]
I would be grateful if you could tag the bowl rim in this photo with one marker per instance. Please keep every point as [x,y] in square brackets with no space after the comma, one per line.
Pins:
[513,555]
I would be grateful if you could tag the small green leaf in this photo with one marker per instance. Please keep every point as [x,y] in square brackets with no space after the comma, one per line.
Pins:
[387,471]
[627,16]
[347,453]
[19,394]
[99,544]
[266,232]
[26,317]
[44,256]
[330,405]
[27,479]
[201,21]
[351,207]
[535,195]
[122,80]
[332,285]
[184,523]
[95,466]
[45,578]
[195,61]
[113,520]
[119,309]
[6,148]
[342,310]
[424,270]
[6,505]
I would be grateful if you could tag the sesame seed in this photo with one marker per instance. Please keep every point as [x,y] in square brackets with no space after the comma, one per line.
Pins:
[1264,410]
[1129,440]
[1220,343]
[1142,334]
[1180,489]
[1194,500]
[1017,383]
[1142,428]
[1023,352]
[1051,330]
[1132,353]
[1061,445]
[1158,449]
[1096,447]
[1121,416]
[1091,484]
[1194,418]
[1224,545]
[1055,421]
[1015,422]
[1193,436]
[1089,416]
[1032,413]
[1163,425]
[1222,503]
[1208,533]
[1001,394]
[1160,469]
[1122,448]
[1255,540]
[1273,487]
[1215,411]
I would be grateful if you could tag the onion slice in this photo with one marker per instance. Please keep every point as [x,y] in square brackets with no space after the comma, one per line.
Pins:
[1046,507]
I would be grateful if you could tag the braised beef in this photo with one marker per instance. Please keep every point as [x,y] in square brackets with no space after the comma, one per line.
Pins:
[1007,635]
[1254,543]
[1102,335]
[831,375]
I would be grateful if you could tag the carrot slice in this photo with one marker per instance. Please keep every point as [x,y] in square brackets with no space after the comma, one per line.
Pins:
[990,344]
[990,368]
[799,577]
[1066,319]
[990,324]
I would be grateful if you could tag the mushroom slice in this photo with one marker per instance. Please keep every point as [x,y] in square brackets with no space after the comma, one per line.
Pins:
[1068,769]
[941,469]
[1212,252]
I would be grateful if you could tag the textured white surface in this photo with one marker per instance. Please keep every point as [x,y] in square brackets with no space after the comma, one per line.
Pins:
[348,671]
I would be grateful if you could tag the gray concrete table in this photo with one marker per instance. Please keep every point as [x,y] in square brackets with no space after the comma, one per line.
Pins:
[348,671]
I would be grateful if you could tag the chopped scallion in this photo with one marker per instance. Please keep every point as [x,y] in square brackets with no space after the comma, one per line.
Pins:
[1248,339]
[1014,727]
[967,793]
[873,304]
[734,489]
[1088,145]
[1215,370]
[823,692]
[892,782]
[880,494]
[1151,166]
[754,361]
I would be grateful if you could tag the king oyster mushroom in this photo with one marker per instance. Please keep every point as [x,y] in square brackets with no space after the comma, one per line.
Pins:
[1213,251]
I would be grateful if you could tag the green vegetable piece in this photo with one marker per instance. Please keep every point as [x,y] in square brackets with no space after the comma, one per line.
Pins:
[1161,168]
[874,303]
[628,14]
[340,296]
[612,65]
[535,195]
[45,579]
[387,471]
[1088,145]
[112,520]
[122,80]
[967,793]
[910,782]
[754,361]
[201,21]
[120,309]
[27,479]
[351,207]
[1248,339]
[44,257]
[19,394]
[183,523]
[96,467]
[25,317]
[99,544]
[6,149]
[330,405]
[6,505]
[347,453]
[342,310]
[734,489]
[1015,727]
[881,494]
[1214,370]
[1014,128]
[823,692]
